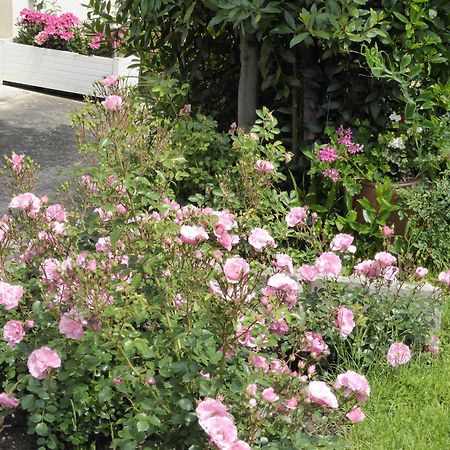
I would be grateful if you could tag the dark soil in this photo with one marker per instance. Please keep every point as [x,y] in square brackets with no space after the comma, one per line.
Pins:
[13,434]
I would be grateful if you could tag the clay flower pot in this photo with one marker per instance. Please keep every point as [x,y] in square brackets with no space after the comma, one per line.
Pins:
[368,191]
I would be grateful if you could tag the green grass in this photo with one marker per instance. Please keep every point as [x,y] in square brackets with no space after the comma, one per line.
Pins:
[409,408]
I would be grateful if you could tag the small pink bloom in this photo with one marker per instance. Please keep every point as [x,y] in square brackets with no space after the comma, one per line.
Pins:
[385,259]
[10,295]
[239,445]
[387,231]
[260,238]
[210,407]
[354,383]
[26,202]
[109,80]
[342,242]
[8,402]
[16,161]
[41,361]
[444,277]
[282,282]
[292,403]
[56,213]
[251,389]
[314,344]
[433,345]
[252,403]
[308,273]
[345,321]
[334,175]
[328,265]
[117,380]
[221,430]
[269,395]
[327,154]
[29,323]
[259,362]
[284,262]
[398,354]
[71,325]
[150,380]
[356,415]
[296,216]
[235,269]
[421,272]
[112,102]
[318,392]
[192,234]
[279,327]
[13,332]
[263,166]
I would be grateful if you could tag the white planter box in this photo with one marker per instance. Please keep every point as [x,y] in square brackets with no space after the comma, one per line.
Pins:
[59,70]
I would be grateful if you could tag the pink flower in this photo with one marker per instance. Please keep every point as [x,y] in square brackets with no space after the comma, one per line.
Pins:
[387,231]
[239,445]
[16,161]
[221,430]
[292,403]
[444,277]
[252,402]
[10,295]
[117,380]
[308,273]
[282,282]
[150,380]
[369,268]
[259,362]
[279,327]
[318,392]
[71,325]
[356,415]
[29,323]
[314,344]
[269,395]
[421,272]
[345,321]
[41,361]
[328,265]
[327,154]
[260,238]
[263,166]
[13,332]
[354,383]
[334,175]
[26,202]
[385,259]
[342,242]
[235,269]
[192,234]
[284,262]
[398,354]
[8,402]
[112,102]
[210,407]
[109,80]
[251,389]
[433,345]
[296,216]
[56,213]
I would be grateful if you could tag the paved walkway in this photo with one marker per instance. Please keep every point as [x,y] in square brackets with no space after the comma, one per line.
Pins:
[37,125]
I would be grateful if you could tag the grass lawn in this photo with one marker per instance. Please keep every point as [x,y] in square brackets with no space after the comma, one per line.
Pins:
[409,408]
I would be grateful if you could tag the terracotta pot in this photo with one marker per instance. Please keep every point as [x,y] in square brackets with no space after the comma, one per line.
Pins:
[368,191]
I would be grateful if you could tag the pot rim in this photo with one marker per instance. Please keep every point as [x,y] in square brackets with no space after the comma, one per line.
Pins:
[405,183]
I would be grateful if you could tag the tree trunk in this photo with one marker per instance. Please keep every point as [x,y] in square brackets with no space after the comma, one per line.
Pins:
[248,80]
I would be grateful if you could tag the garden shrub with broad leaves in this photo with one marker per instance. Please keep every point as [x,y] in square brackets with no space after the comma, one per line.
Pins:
[132,318]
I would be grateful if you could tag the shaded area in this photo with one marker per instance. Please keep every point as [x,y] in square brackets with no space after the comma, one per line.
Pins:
[13,434]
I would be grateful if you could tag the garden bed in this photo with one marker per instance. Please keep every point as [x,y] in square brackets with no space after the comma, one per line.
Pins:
[60,70]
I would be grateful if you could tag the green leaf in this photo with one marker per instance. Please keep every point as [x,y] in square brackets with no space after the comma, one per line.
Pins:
[115,235]
[41,429]
[297,39]
[186,404]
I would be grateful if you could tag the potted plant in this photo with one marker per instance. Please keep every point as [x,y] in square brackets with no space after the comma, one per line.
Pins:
[61,52]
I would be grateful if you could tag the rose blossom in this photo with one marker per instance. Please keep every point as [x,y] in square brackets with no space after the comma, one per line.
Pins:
[444,277]
[292,403]
[26,202]
[284,262]
[221,430]
[345,321]
[71,325]
[260,238]
[109,80]
[354,383]
[263,166]
[387,231]
[269,395]
[398,354]
[13,332]
[314,344]
[112,102]
[8,402]
[421,272]
[192,234]
[239,445]
[328,265]
[251,389]
[10,295]
[41,361]
[16,161]
[308,273]
[296,216]
[318,392]
[355,415]
[343,242]
[385,259]
[235,269]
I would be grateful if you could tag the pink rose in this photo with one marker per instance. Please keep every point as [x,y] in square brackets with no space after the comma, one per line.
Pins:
[398,354]
[314,344]
[13,332]
[41,361]
[387,231]
[26,202]
[354,383]
[308,273]
[263,166]
[444,277]
[10,295]
[318,392]
[284,262]
[71,325]
[385,259]
[296,216]
[251,389]
[235,269]
[260,238]
[239,445]
[210,407]
[421,272]
[221,430]
[16,161]
[259,362]
[109,80]
[292,403]
[8,402]
[269,395]
[112,102]
[356,415]
[279,327]
[282,282]
[328,265]
[345,321]
[342,242]
[368,268]
[56,213]
[192,234]
[29,323]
